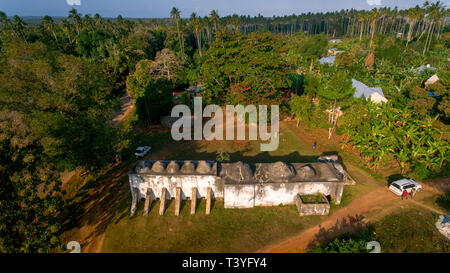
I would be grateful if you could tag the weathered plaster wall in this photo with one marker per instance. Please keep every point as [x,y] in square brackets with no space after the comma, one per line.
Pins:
[239,195]
[171,182]
[239,184]
[273,194]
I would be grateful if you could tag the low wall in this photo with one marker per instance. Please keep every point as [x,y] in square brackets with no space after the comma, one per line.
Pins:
[322,208]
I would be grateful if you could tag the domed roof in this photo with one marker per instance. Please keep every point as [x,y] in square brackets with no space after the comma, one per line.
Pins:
[239,171]
[306,172]
[158,167]
[203,167]
[173,167]
[280,171]
[188,167]
[144,170]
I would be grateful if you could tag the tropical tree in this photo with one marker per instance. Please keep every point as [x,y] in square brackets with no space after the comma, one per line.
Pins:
[175,14]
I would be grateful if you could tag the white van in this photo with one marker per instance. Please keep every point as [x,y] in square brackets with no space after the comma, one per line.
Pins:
[407,184]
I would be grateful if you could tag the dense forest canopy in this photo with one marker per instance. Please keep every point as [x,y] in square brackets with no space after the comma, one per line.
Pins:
[61,80]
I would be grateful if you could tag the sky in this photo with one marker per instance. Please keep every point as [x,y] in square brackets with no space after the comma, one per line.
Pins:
[161,8]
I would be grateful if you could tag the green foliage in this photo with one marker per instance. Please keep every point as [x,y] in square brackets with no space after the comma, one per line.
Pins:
[392,53]
[300,107]
[223,156]
[338,87]
[354,111]
[402,134]
[244,69]
[156,101]
[314,46]
[420,171]
[140,79]
[30,199]
[64,101]
[444,200]
[297,83]
[346,243]
[313,83]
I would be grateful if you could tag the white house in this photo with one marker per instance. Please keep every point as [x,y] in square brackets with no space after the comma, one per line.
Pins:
[375,94]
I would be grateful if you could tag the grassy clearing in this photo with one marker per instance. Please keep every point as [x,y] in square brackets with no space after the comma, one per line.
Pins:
[441,201]
[224,230]
[410,230]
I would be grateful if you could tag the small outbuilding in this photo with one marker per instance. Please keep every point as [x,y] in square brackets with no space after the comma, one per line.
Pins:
[375,94]
[327,60]
[432,80]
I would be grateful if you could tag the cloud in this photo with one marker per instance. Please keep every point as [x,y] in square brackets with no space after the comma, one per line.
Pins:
[77,2]
[373,2]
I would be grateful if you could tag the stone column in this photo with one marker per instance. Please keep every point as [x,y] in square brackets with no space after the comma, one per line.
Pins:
[338,194]
[298,202]
[193,200]
[162,205]
[148,201]
[208,201]
[178,202]
[134,200]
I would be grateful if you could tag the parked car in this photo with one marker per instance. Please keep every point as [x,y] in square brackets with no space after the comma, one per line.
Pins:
[142,151]
[407,184]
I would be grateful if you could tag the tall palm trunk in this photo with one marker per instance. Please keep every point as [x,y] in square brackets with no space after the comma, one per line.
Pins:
[179,40]
[361,30]
[431,36]
[426,41]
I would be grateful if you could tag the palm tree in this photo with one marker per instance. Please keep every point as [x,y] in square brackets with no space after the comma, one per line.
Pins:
[433,13]
[175,15]
[413,16]
[48,25]
[75,16]
[19,27]
[214,18]
[361,19]
[373,19]
[196,27]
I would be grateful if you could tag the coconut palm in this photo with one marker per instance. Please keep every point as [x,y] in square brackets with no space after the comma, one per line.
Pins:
[373,19]
[214,18]
[196,27]
[175,15]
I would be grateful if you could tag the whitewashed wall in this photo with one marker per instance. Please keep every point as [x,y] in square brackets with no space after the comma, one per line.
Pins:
[185,182]
[273,194]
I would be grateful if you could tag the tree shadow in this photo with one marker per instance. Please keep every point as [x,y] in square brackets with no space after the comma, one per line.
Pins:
[107,198]
[349,224]
[394,177]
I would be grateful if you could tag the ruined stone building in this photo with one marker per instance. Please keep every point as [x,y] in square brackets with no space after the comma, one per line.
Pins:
[241,185]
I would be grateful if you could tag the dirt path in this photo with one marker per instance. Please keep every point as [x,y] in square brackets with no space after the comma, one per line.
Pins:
[126,105]
[99,204]
[343,220]
[347,219]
